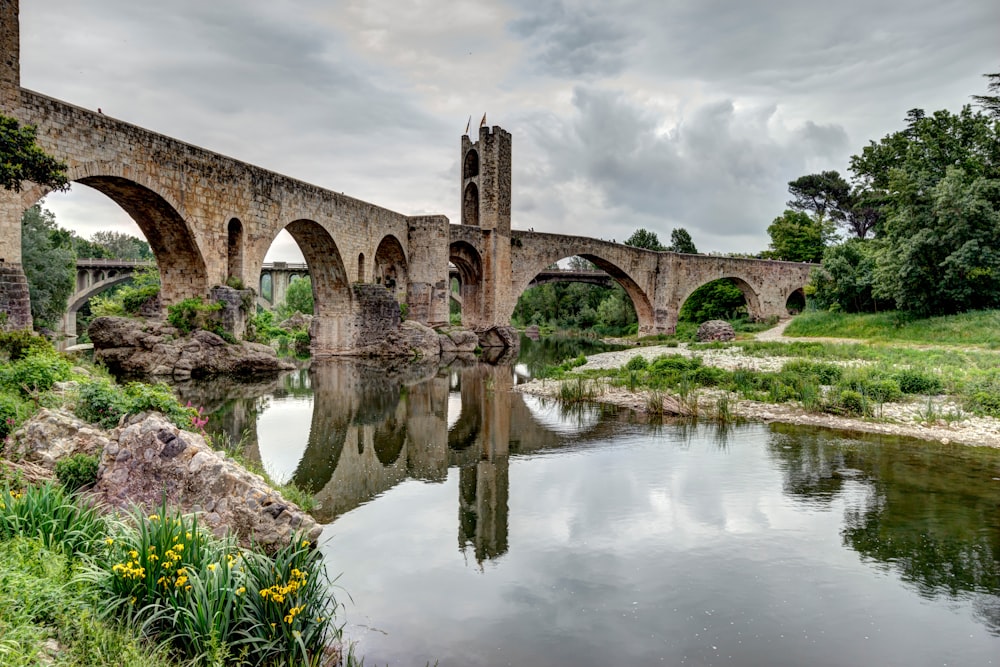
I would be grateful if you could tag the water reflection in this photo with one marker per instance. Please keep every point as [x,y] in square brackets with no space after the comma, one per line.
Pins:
[928,513]
[925,514]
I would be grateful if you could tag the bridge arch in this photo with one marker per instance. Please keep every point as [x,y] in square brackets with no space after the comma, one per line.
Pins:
[82,297]
[391,269]
[183,272]
[640,300]
[332,297]
[469,264]
[750,295]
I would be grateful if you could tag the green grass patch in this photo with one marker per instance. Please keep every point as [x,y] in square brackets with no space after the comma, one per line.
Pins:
[967,329]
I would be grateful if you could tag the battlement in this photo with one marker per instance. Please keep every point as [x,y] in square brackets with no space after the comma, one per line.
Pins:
[485,179]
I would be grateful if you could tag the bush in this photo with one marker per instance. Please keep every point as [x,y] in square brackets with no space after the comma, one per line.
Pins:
[37,372]
[11,411]
[194,313]
[77,472]
[852,402]
[915,382]
[823,372]
[636,363]
[23,343]
[100,402]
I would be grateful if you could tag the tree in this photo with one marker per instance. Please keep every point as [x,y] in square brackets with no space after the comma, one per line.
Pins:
[298,299]
[939,179]
[120,245]
[821,194]
[49,265]
[22,160]
[990,103]
[680,241]
[846,279]
[643,238]
[796,237]
[718,300]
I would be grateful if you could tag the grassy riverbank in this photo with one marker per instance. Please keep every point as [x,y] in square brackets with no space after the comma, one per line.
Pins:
[83,587]
[946,384]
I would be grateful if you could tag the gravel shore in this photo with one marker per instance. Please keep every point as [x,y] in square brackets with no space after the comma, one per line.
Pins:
[904,418]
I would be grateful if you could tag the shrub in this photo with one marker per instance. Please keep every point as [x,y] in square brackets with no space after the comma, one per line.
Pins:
[636,363]
[852,402]
[915,382]
[193,313]
[37,372]
[11,411]
[77,472]
[100,402]
[823,372]
[23,343]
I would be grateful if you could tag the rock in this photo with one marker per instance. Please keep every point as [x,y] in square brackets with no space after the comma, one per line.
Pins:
[715,330]
[149,347]
[412,340]
[456,340]
[499,337]
[153,459]
[297,322]
[51,435]
[533,332]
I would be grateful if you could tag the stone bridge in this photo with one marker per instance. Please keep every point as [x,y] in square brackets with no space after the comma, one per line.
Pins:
[210,219]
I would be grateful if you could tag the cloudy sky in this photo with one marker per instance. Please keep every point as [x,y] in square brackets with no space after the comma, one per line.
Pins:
[624,113]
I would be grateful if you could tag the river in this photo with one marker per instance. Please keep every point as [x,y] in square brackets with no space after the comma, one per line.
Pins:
[472,525]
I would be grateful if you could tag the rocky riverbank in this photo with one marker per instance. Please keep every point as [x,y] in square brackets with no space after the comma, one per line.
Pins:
[909,418]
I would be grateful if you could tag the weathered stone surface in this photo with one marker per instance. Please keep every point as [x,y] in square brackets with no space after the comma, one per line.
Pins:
[456,340]
[297,322]
[505,337]
[143,347]
[152,459]
[411,340]
[51,435]
[715,330]
[235,304]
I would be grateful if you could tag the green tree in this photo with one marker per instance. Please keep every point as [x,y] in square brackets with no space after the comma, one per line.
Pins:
[22,160]
[938,179]
[990,103]
[797,237]
[298,299]
[824,194]
[120,245]
[680,241]
[717,300]
[643,238]
[49,265]
[846,279]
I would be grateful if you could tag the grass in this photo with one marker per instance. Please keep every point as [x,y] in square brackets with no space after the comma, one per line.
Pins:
[977,328]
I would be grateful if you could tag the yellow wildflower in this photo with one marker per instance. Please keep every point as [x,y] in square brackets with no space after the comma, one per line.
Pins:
[211,567]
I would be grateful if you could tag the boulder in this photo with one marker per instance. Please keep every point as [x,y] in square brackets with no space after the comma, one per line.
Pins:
[715,330]
[533,332]
[504,337]
[150,347]
[412,340]
[51,435]
[152,460]
[456,340]
[297,322]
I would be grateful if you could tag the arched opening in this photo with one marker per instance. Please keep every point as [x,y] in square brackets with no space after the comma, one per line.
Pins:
[796,302]
[718,300]
[594,294]
[266,287]
[361,267]
[731,299]
[391,268]
[469,268]
[234,252]
[470,205]
[471,167]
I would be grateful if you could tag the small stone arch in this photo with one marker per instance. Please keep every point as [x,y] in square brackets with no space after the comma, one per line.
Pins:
[750,295]
[234,249]
[391,268]
[471,167]
[795,302]
[469,264]
[361,267]
[470,205]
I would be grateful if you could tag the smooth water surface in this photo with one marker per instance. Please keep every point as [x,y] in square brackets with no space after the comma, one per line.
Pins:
[476,526]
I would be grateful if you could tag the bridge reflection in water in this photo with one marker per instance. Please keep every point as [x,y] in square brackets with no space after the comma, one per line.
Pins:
[371,428]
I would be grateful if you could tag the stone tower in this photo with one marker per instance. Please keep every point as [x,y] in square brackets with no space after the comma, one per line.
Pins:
[486,169]
[10,55]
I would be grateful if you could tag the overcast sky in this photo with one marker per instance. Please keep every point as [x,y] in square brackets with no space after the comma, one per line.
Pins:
[624,114]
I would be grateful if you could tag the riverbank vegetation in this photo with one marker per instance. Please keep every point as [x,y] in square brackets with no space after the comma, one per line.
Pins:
[81,587]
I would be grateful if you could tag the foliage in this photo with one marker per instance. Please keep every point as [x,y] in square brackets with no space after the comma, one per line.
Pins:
[22,160]
[129,298]
[51,515]
[261,328]
[973,328]
[680,241]
[120,245]
[17,345]
[827,196]
[12,411]
[194,313]
[298,299]
[643,238]
[717,300]
[990,103]
[35,373]
[77,472]
[796,237]
[101,401]
[939,184]
[49,265]
[606,310]
[846,279]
